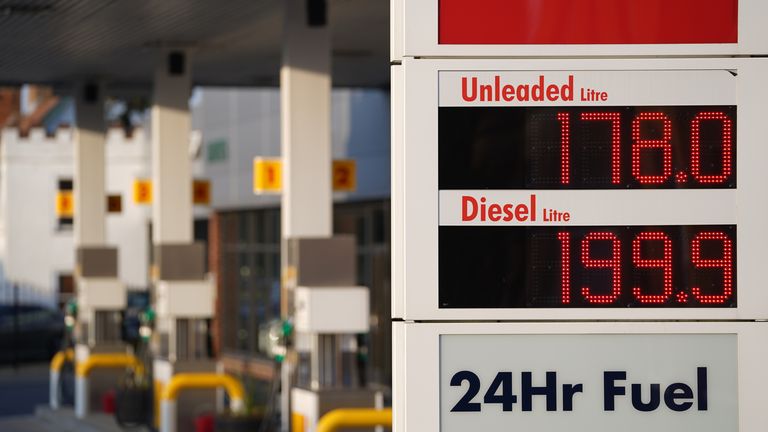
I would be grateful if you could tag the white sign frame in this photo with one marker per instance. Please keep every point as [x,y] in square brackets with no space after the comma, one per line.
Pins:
[416,22]
[416,298]
[417,374]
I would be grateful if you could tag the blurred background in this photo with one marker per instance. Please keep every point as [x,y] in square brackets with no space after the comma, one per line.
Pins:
[149,153]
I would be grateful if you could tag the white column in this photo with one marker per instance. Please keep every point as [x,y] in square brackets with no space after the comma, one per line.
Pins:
[305,120]
[305,117]
[89,196]
[171,166]
[89,192]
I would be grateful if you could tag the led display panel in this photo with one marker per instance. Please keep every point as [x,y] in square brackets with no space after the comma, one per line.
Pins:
[587,147]
[595,266]
[606,147]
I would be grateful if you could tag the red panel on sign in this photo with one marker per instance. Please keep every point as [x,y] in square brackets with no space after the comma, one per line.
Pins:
[587,21]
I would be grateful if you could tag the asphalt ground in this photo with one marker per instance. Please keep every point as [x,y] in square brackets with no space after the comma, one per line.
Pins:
[23,388]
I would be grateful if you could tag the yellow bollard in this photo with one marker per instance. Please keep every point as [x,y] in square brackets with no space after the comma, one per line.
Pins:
[57,362]
[354,417]
[183,381]
[99,361]
[62,356]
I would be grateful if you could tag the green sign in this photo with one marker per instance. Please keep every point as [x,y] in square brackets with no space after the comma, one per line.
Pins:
[217,150]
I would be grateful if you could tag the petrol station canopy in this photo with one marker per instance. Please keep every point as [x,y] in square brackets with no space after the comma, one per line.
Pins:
[233,42]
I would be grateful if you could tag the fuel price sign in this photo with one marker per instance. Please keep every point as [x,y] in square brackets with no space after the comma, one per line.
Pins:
[624,191]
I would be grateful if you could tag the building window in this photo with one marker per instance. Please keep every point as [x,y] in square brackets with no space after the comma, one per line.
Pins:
[66,288]
[250,276]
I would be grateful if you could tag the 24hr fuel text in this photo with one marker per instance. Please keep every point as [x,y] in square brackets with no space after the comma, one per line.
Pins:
[644,397]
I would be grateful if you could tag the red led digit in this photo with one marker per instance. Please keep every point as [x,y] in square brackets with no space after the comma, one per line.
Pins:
[614,118]
[639,144]
[664,263]
[725,262]
[565,269]
[614,264]
[565,147]
[696,147]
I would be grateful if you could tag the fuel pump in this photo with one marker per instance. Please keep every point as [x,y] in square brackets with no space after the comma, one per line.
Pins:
[328,310]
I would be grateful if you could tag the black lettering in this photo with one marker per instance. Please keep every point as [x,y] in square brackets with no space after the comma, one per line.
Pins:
[637,397]
[549,391]
[569,390]
[465,404]
[701,388]
[610,390]
[678,391]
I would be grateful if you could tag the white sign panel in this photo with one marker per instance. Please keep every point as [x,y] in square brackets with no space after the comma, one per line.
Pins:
[581,376]
[582,189]
[597,382]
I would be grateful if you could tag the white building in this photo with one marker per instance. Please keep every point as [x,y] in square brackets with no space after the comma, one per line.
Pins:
[36,251]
